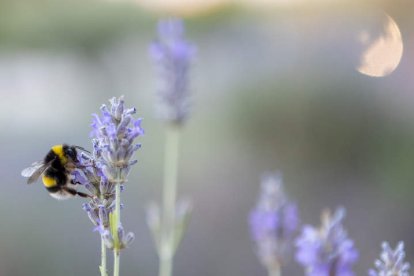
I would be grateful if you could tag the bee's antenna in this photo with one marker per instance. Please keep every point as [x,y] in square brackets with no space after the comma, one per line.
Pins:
[82,149]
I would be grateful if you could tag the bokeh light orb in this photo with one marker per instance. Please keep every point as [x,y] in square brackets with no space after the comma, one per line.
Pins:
[381,50]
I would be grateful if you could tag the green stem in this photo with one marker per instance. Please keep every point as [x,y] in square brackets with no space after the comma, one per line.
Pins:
[165,266]
[116,262]
[117,222]
[118,204]
[168,201]
[103,258]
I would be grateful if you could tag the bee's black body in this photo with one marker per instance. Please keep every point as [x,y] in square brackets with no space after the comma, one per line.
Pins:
[55,170]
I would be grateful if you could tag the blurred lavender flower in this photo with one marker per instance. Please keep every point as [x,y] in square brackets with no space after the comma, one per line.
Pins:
[273,222]
[172,55]
[113,135]
[327,251]
[391,262]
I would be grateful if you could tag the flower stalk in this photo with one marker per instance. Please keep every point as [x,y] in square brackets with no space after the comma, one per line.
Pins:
[117,221]
[102,267]
[169,200]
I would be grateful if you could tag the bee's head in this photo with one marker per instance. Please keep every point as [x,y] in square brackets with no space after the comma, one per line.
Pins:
[71,153]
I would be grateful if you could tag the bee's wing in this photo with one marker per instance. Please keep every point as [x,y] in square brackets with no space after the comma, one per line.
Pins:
[35,171]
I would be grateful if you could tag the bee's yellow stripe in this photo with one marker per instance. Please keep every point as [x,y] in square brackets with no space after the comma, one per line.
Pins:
[58,149]
[48,181]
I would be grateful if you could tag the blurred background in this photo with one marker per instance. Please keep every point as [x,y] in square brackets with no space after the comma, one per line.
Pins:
[277,85]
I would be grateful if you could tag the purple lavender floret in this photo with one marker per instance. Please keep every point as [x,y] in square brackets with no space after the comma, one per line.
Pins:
[273,222]
[172,55]
[391,262]
[327,251]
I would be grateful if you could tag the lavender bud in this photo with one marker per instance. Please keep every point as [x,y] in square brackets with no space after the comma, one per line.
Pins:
[129,238]
[327,251]
[124,123]
[90,188]
[108,172]
[130,111]
[109,241]
[86,207]
[120,233]
[124,240]
[104,186]
[118,107]
[391,262]
[93,216]
[273,222]
[103,216]
[78,178]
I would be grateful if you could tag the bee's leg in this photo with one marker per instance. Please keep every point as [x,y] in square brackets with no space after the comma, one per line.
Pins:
[74,192]
[83,195]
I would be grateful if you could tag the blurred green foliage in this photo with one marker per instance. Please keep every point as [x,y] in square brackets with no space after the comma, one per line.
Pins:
[67,24]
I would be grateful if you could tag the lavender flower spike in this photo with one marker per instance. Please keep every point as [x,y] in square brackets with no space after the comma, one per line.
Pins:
[172,55]
[327,251]
[105,170]
[114,134]
[273,222]
[391,262]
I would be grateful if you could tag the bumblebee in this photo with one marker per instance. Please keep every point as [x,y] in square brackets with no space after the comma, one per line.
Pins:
[55,170]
